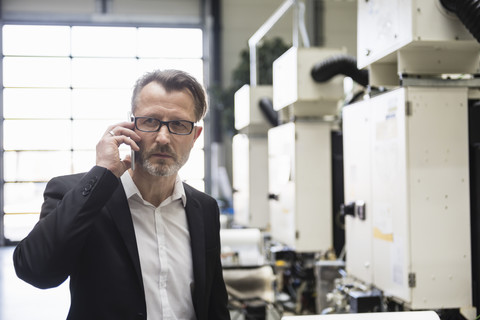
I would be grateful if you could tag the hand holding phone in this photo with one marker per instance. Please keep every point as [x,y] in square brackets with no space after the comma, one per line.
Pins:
[108,152]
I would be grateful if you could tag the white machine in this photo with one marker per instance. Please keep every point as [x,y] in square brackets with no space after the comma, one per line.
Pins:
[300,180]
[250,158]
[414,37]
[248,116]
[300,185]
[294,89]
[250,150]
[406,160]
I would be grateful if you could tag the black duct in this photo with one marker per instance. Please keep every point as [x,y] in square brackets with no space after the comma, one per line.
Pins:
[468,11]
[266,106]
[340,64]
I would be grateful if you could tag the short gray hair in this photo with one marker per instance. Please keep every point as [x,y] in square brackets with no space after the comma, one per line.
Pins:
[174,80]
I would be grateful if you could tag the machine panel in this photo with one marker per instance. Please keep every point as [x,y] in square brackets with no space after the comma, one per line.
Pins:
[418,210]
[300,185]
[250,180]
[396,37]
[248,116]
[357,173]
[293,84]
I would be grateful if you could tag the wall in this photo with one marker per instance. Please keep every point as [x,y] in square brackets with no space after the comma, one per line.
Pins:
[340,23]
[120,11]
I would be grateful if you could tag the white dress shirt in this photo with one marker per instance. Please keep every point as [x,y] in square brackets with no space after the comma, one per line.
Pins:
[163,242]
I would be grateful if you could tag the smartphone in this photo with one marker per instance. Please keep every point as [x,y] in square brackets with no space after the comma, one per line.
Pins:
[132,156]
[132,152]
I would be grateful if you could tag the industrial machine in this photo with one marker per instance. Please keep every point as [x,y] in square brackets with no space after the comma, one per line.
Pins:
[300,165]
[410,163]
[416,38]
[250,157]
[406,171]
[406,155]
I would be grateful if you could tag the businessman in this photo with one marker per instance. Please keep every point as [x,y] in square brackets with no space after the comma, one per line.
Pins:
[136,242]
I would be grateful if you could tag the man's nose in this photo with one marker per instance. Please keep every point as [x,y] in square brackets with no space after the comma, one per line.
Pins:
[163,135]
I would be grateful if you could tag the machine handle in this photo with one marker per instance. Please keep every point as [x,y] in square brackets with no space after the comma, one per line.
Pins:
[354,209]
[272,196]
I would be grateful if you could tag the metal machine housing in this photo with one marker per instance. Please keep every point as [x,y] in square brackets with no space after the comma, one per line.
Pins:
[406,157]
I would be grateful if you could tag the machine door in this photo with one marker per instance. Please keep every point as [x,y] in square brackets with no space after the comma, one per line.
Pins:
[390,218]
[281,167]
[357,176]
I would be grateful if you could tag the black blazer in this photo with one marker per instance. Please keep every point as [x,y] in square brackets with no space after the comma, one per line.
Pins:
[86,232]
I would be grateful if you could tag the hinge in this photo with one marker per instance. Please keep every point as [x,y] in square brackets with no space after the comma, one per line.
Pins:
[297,234]
[408,108]
[412,280]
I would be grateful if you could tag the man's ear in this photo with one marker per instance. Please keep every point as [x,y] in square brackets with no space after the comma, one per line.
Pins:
[196,133]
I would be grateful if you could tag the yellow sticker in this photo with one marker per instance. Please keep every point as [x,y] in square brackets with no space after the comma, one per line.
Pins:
[382,236]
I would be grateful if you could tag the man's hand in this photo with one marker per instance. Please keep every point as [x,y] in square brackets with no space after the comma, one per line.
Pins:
[108,154]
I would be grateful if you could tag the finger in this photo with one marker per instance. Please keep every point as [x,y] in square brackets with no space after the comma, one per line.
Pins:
[126,140]
[124,124]
[121,130]
[127,162]
[133,144]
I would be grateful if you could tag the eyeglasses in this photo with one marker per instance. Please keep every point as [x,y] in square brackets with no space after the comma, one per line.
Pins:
[147,124]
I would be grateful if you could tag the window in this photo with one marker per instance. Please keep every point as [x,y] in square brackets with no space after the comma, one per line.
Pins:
[62,86]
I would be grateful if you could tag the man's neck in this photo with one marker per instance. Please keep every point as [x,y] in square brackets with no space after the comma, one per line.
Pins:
[154,189]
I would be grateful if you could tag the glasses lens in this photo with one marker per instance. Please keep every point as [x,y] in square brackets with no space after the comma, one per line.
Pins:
[181,127]
[147,124]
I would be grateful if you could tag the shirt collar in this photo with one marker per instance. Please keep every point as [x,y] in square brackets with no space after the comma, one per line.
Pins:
[132,190]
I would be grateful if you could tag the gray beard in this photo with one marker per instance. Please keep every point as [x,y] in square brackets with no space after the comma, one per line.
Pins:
[161,169]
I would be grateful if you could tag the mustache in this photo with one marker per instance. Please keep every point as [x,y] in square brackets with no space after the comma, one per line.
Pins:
[162,149]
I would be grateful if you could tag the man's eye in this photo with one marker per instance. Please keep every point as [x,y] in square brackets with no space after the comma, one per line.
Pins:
[180,126]
[176,123]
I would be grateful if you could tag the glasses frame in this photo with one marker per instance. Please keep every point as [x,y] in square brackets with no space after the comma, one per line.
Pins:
[162,123]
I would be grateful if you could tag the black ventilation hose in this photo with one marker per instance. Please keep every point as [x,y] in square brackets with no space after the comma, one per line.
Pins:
[340,64]
[468,11]
[450,5]
[266,106]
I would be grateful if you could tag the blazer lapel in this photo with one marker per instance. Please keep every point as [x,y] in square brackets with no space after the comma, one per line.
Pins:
[197,239]
[120,212]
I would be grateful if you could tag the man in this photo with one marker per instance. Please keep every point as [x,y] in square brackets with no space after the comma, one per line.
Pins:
[134,242]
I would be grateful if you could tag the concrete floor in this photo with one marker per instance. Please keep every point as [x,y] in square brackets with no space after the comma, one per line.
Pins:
[21,301]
